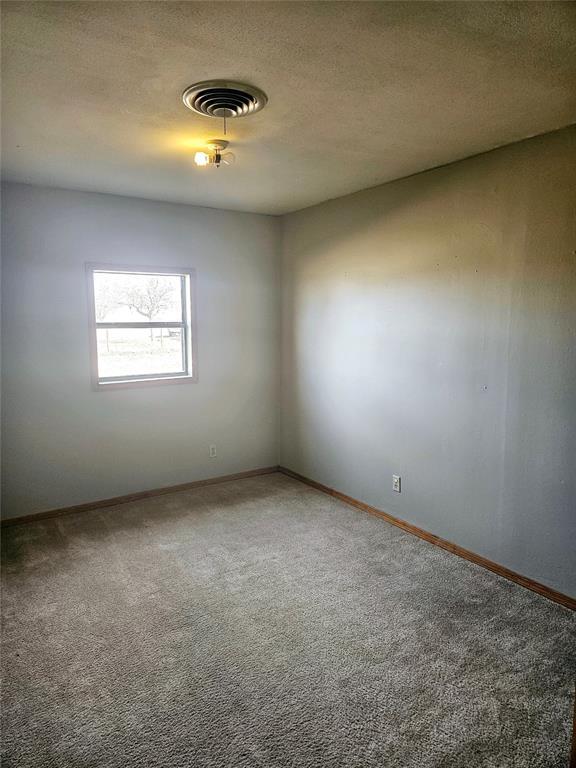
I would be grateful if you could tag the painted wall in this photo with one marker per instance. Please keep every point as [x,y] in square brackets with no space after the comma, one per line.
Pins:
[65,444]
[429,331]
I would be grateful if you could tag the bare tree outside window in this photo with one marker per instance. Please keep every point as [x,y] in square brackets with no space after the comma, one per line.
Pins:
[149,299]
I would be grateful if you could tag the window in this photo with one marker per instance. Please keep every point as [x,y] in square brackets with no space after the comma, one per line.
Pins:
[141,325]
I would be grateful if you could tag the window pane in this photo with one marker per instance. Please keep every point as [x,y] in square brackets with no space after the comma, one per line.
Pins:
[139,351]
[132,298]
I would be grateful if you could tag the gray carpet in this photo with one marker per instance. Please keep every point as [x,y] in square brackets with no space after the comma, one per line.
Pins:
[261,623]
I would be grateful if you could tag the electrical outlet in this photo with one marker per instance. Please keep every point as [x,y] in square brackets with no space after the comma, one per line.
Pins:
[212,452]
[396,483]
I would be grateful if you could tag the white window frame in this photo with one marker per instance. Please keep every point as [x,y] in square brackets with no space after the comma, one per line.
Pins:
[187,324]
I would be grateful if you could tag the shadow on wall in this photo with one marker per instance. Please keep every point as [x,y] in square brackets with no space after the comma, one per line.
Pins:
[428,329]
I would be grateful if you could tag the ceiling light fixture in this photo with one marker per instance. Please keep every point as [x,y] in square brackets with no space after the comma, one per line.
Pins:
[223,99]
[216,156]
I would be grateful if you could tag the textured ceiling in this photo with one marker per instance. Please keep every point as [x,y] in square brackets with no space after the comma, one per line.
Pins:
[360,92]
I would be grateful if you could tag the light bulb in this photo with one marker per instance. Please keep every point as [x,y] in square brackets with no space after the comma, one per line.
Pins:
[201,158]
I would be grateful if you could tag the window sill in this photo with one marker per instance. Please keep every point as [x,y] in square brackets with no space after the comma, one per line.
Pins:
[139,383]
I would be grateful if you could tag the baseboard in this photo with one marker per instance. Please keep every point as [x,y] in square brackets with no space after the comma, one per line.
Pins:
[523,581]
[92,505]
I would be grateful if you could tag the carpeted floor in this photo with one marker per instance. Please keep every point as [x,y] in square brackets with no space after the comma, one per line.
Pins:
[261,623]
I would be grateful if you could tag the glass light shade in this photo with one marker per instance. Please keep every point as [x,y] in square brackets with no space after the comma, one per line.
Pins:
[201,158]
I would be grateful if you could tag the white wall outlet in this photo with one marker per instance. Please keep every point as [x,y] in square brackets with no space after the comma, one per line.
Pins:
[212,452]
[396,483]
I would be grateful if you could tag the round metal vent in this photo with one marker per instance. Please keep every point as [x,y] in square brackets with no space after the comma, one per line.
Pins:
[224,99]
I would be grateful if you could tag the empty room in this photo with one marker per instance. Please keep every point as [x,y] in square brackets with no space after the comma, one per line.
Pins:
[288,391]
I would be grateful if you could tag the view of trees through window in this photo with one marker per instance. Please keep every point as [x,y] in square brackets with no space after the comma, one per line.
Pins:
[140,324]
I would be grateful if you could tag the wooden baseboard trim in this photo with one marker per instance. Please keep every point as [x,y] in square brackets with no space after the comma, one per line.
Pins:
[523,581]
[92,505]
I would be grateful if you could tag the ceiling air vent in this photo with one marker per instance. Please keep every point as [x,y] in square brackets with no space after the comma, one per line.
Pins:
[224,99]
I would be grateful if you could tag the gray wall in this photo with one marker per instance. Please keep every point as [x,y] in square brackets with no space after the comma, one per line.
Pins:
[64,443]
[428,330]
